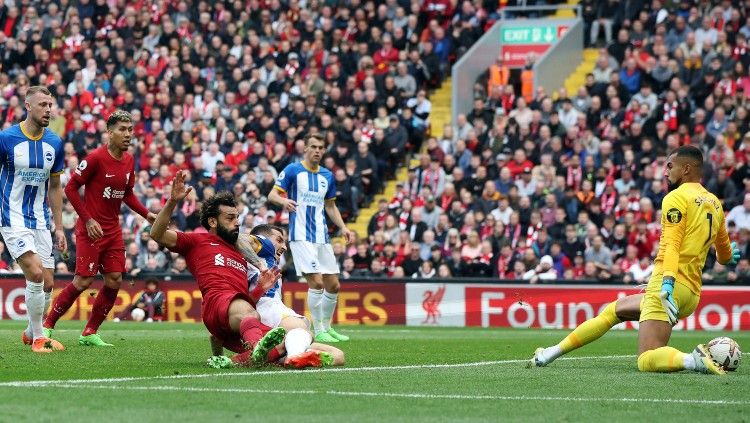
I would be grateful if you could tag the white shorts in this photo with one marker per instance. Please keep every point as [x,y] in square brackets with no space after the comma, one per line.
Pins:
[313,258]
[20,240]
[273,311]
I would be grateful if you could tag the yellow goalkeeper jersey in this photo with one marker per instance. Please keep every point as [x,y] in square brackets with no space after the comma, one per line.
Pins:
[692,220]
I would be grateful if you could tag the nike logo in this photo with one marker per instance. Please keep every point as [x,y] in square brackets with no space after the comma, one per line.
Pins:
[211,243]
[108,175]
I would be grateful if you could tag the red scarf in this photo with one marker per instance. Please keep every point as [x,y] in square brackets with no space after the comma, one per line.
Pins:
[403,220]
[608,202]
[515,236]
[670,115]
[532,233]
[575,176]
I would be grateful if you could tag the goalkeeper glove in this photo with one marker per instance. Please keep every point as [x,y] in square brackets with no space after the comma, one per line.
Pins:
[667,299]
[736,254]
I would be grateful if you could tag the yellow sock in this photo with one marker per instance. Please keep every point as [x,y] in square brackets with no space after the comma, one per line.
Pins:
[591,329]
[664,359]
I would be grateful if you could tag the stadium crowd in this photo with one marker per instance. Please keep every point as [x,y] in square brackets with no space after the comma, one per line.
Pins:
[546,186]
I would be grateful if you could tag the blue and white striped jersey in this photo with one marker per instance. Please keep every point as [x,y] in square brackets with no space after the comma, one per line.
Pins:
[310,190]
[25,167]
[267,252]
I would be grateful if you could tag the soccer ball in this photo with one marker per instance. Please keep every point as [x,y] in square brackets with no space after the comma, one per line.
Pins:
[726,352]
[138,314]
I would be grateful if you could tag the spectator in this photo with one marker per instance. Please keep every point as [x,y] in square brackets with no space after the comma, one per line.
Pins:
[599,254]
[543,272]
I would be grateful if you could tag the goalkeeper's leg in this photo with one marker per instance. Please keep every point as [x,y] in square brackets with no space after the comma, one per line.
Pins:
[624,309]
[653,335]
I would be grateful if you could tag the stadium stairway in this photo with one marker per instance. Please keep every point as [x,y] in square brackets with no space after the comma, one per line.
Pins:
[439,117]
[567,13]
[578,77]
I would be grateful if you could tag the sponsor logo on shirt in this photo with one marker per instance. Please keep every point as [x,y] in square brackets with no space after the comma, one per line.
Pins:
[81,167]
[220,260]
[113,193]
[33,175]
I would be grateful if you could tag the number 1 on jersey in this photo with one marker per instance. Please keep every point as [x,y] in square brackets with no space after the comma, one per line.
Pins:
[710,218]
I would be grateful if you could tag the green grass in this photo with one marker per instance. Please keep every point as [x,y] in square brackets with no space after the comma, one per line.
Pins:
[577,389]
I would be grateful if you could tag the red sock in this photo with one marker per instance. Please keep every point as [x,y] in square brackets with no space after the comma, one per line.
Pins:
[102,305]
[62,304]
[250,330]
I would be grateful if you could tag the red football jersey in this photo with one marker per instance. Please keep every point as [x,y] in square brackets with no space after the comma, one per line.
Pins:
[215,265]
[107,181]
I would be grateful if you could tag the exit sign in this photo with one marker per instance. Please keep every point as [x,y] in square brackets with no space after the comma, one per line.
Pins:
[547,34]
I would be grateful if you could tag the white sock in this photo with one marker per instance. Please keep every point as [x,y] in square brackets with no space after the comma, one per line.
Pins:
[689,362]
[296,341]
[47,301]
[314,297]
[329,306]
[551,353]
[35,307]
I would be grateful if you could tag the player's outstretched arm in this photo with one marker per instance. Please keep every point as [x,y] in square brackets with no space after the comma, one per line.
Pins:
[159,231]
[333,212]
[249,246]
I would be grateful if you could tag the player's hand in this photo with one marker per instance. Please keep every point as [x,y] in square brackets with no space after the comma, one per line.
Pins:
[349,235]
[179,190]
[290,205]
[151,217]
[736,254]
[268,278]
[94,230]
[62,242]
[667,299]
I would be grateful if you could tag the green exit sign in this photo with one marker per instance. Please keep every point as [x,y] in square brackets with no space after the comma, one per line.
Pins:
[547,34]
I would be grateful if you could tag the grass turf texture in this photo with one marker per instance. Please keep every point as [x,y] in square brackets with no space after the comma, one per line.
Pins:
[605,386]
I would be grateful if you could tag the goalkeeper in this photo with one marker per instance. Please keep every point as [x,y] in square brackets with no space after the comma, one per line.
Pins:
[692,220]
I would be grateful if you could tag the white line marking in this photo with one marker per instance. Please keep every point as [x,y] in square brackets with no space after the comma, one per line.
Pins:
[413,395]
[19,384]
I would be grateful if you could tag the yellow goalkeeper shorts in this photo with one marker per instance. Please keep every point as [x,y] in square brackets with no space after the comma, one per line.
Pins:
[652,308]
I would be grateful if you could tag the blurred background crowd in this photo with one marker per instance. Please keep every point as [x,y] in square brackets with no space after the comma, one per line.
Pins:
[536,185]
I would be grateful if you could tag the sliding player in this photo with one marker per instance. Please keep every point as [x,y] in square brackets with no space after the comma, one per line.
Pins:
[108,175]
[693,220]
[269,243]
[221,272]
[31,161]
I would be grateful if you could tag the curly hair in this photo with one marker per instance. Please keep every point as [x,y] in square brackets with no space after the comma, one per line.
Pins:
[118,116]
[210,207]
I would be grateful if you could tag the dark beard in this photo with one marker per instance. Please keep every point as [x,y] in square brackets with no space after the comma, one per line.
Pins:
[671,186]
[229,236]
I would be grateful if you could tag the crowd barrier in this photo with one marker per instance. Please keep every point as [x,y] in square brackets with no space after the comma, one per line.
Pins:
[426,303]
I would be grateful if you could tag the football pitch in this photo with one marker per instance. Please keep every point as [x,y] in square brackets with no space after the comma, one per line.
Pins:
[156,373]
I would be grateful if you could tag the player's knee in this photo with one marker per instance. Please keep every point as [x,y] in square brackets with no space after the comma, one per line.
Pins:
[35,274]
[338,357]
[113,280]
[82,283]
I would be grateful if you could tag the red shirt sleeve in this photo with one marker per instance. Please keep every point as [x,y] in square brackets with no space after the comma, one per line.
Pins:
[185,243]
[80,177]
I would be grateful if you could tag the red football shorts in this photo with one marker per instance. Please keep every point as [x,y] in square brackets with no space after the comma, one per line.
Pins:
[105,255]
[215,315]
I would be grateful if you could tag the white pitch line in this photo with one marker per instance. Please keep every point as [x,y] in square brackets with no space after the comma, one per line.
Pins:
[411,395]
[20,384]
